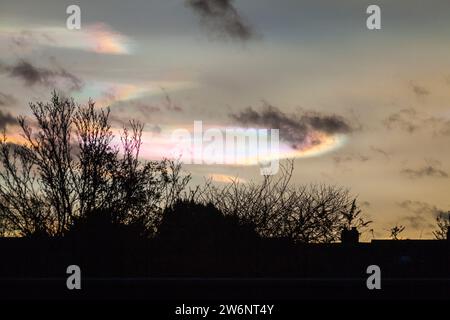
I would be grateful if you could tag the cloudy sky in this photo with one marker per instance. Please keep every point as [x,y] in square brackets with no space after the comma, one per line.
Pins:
[368,110]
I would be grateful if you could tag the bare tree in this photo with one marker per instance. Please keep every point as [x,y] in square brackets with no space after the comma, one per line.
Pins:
[23,210]
[353,218]
[443,223]
[395,231]
[96,158]
[70,167]
[37,190]
[308,213]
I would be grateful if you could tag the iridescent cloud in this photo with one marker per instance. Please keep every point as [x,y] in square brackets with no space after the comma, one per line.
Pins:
[106,93]
[98,38]
[162,145]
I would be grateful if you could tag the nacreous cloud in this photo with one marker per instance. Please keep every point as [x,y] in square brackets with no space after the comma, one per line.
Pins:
[294,129]
[33,75]
[97,38]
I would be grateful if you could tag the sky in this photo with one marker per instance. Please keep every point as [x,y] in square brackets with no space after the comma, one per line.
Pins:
[359,108]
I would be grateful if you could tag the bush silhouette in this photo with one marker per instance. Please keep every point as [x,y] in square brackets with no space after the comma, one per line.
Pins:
[189,224]
[197,239]
[101,227]
[107,247]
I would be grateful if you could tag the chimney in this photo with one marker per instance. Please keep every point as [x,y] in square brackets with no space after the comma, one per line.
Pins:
[350,236]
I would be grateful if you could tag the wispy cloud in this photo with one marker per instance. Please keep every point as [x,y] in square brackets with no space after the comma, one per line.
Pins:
[98,38]
[420,214]
[405,119]
[420,207]
[222,18]
[419,91]
[339,159]
[381,151]
[411,121]
[108,93]
[299,130]
[7,100]
[425,171]
[6,119]
[32,75]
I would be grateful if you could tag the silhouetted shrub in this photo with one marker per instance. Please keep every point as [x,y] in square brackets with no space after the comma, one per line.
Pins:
[198,240]
[279,209]
[101,227]
[203,227]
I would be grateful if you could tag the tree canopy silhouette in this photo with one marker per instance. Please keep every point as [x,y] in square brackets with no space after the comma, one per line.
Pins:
[303,213]
[69,167]
[443,225]
[188,221]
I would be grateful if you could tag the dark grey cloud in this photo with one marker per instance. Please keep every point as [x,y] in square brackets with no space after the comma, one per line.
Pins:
[7,100]
[420,207]
[405,119]
[418,222]
[5,119]
[425,171]
[222,18]
[411,120]
[421,213]
[326,123]
[33,75]
[340,159]
[381,151]
[419,91]
[293,128]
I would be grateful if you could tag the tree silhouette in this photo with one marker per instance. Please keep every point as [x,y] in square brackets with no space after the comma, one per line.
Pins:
[308,213]
[187,222]
[443,224]
[395,231]
[198,239]
[69,168]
